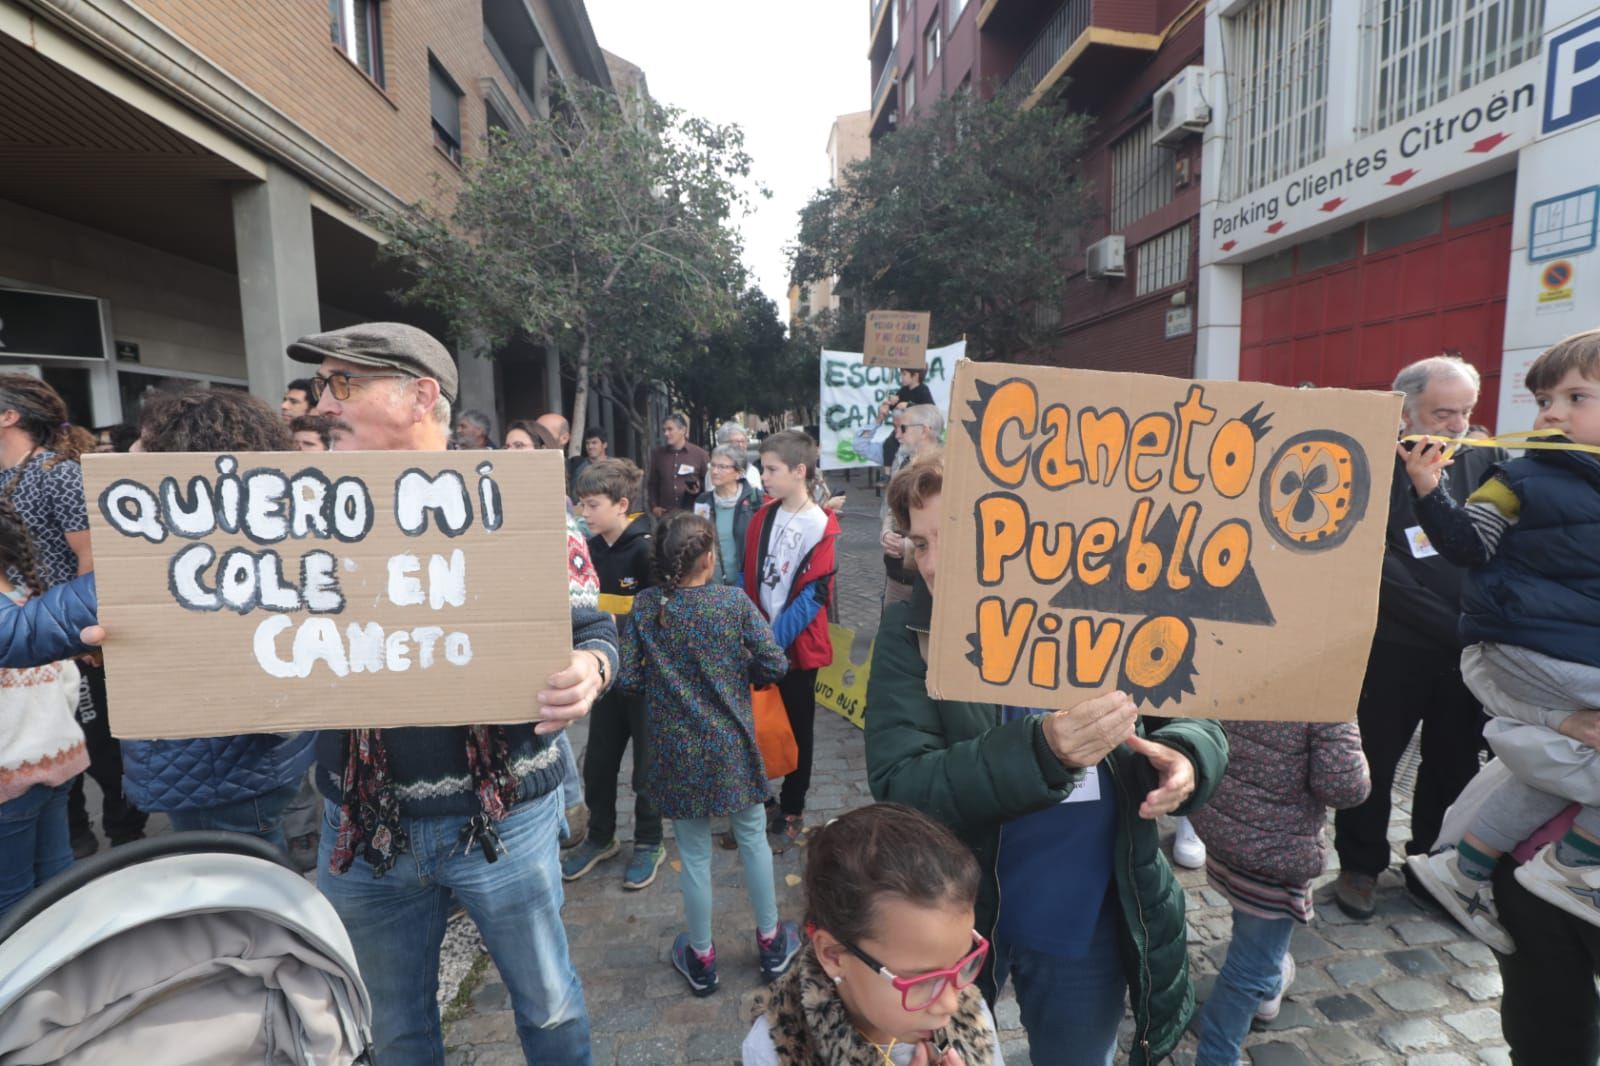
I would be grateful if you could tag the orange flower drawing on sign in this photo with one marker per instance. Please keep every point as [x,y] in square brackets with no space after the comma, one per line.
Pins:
[1315,490]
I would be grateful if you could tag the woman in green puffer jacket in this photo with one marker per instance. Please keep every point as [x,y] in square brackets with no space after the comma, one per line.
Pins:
[1060,810]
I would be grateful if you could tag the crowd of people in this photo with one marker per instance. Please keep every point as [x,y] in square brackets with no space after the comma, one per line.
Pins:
[705,575]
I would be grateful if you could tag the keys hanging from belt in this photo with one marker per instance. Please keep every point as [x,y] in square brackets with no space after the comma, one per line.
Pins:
[480,832]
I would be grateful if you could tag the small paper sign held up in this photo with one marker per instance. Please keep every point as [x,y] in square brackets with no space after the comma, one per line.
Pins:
[897,338]
[269,592]
[1211,548]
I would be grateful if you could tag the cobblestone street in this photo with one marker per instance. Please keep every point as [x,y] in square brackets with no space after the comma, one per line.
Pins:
[1407,987]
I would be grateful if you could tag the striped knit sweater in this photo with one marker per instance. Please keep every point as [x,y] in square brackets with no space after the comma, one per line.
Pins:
[40,741]
[428,764]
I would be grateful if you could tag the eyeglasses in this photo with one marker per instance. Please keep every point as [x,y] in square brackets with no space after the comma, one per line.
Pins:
[722,466]
[338,383]
[919,993]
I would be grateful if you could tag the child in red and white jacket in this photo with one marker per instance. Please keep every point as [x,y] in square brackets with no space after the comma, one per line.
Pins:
[788,572]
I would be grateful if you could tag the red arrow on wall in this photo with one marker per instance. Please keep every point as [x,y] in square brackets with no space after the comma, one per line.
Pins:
[1488,143]
[1401,178]
[1275,227]
[1228,246]
[1333,204]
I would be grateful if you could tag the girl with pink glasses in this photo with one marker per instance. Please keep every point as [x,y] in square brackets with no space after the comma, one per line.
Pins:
[888,977]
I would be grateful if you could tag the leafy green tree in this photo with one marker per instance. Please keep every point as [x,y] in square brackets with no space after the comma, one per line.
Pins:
[604,231]
[968,213]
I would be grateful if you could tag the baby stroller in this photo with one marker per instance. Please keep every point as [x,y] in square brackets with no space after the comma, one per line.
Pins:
[184,948]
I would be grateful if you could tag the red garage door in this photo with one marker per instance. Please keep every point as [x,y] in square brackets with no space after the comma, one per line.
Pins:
[1352,308]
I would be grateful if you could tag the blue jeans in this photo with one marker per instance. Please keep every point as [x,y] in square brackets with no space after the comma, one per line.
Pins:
[571,776]
[397,924]
[259,816]
[1094,985]
[34,842]
[1252,973]
[694,846]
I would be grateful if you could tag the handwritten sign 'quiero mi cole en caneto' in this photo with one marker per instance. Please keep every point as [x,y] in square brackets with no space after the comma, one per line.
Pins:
[1211,548]
[269,592]
[897,338]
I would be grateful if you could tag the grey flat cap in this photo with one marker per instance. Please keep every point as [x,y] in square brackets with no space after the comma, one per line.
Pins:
[394,345]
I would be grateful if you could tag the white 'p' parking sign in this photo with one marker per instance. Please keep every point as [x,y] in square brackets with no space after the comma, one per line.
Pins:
[1572,76]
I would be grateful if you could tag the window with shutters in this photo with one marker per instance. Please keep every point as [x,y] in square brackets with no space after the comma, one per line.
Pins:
[444,99]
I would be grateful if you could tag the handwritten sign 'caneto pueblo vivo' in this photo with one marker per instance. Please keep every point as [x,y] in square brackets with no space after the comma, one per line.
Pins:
[270,592]
[1210,548]
[896,338]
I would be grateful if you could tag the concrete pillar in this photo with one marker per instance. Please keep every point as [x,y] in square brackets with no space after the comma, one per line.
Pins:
[478,382]
[277,276]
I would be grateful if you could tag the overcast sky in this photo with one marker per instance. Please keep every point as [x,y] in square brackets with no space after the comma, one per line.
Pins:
[782,73]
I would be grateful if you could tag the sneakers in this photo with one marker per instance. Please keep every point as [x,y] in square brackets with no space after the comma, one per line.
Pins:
[701,975]
[1575,889]
[1469,902]
[1270,1008]
[642,867]
[84,842]
[587,856]
[1356,894]
[777,955]
[1188,849]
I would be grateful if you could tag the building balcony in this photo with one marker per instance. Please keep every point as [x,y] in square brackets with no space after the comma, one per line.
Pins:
[883,91]
[1076,40]
[880,19]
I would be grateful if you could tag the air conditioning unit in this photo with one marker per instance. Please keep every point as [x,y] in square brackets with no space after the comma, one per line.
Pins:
[1106,258]
[1180,107]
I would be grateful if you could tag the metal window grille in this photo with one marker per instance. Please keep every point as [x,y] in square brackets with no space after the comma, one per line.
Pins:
[1278,54]
[1163,261]
[1426,50]
[1141,177]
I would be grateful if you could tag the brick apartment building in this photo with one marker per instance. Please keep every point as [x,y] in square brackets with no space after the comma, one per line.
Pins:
[1112,56]
[182,182]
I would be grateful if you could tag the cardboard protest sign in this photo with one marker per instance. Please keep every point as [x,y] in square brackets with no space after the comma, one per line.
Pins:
[273,592]
[897,338]
[1211,548]
[841,686]
[850,392]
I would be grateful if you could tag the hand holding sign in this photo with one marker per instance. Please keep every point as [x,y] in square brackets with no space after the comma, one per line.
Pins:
[1083,735]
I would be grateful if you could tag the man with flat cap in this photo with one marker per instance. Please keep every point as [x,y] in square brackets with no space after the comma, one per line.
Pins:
[415,816]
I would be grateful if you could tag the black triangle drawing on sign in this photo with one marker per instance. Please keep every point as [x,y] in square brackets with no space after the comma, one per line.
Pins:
[1241,602]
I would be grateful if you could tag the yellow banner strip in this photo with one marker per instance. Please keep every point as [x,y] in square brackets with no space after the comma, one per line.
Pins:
[1525,439]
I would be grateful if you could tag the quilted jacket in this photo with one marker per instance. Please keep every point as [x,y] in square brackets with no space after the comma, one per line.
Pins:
[181,775]
[45,628]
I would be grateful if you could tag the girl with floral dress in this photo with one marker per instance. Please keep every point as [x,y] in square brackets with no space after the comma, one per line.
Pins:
[694,648]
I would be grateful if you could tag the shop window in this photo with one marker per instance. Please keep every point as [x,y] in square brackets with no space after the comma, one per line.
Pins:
[1487,199]
[444,100]
[1268,269]
[1423,51]
[357,31]
[1326,251]
[1407,226]
[1278,102]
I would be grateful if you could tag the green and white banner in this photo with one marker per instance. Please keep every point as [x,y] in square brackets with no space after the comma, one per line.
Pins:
[852,391]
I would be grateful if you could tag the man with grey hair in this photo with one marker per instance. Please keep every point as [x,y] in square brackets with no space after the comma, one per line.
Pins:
[917,429]
[1413,672]
[473,431]
[677,468]
[418,817]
